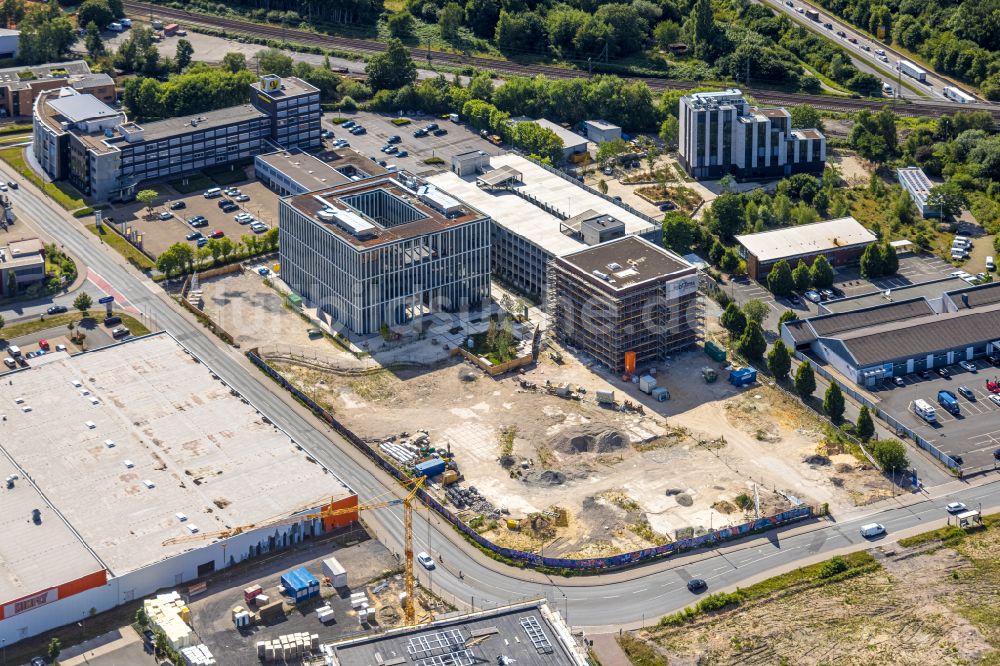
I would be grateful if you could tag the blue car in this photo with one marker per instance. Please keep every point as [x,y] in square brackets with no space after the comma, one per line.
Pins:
[202,242]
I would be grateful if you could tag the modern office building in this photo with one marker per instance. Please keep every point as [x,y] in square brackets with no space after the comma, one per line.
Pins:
[25,261]
[382,251]
[19,86]
[80,138]
[918,186]
[295,172]
[125,466]
[721,133]
[538,214]
[841,241]
[625,295]
[293,107]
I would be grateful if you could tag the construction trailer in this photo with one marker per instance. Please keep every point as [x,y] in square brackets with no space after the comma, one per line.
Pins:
[625,295]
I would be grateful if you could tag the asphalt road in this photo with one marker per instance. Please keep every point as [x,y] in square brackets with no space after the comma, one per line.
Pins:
[604,603]
[935,84]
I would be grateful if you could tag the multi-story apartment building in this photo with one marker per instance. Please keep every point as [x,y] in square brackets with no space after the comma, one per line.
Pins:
[80,138]
[721,133]
[19,86]
[383,251]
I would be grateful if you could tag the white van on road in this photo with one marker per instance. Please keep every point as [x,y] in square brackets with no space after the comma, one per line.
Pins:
[872,530]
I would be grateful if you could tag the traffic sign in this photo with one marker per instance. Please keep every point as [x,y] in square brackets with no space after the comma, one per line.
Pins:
[106,299]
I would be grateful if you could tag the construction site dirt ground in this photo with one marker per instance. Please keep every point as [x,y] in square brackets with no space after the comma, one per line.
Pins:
[931,604]
[625,480]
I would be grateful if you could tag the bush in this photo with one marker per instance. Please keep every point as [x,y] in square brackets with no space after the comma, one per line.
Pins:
[399,122]
[832,567]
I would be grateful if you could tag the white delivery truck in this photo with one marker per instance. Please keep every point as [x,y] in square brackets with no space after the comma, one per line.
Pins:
[925,411]
[910,69]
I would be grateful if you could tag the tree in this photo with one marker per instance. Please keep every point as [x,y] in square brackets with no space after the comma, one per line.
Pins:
[602,186]
[778,360]
[805,380]
[756,311]
[184,52]
[787,316]
[871,262]
[779,280]
[274,61]
[94,11]
[450,20]
[833,401]
[726,215]
[401,24]
[234,61]
[752,344]
[609,151]
[481,16]
[391,69]
[83,302]
[733,320]
[55,647]
[177,257]
[93,41]
[949,199]
[865,427]
[801,277]
[666,33]
[146,198]
[678,231]
[890,454]
[890,260]
[670,132]
[821,273]
[805,116]
[874,135]
[702,29]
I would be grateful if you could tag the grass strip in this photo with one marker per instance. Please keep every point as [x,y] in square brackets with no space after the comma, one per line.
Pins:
[65,195]
[123,247]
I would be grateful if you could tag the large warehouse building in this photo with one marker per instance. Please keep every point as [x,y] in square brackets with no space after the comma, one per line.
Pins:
[841,241]
[537,214]
[112,455]
[384,251]
[900,337]
[625,295]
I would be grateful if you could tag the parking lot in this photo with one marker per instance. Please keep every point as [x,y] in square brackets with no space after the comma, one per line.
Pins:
[158,235]
[973,434]
[460,139]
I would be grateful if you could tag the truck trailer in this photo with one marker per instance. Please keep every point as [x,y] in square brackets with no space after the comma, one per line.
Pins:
[812,15]
[956,95]
[910,69]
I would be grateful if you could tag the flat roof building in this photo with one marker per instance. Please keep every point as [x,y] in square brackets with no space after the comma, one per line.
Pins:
[573,143]
[528,633]
[80,138]
[296,172]
[600,131]
[841,241]
[721,133]
[918,186]
[25,259]
[383,251]
[19,86]
[537,216]
[625,295]
[129,453]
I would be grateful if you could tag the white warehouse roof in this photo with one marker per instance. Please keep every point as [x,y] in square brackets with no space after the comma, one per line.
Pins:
[916,182]
[806,239]
[569,139]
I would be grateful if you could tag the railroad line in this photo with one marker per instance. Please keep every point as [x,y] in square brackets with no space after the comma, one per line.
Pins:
[930,109]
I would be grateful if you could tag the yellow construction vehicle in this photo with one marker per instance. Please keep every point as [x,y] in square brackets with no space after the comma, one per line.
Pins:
[407,502]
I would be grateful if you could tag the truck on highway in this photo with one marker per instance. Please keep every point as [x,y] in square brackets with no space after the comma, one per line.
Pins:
[812,15]
[956,95]
[922,409]
[908,68]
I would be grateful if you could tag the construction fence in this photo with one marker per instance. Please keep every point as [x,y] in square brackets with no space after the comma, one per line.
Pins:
[522,557]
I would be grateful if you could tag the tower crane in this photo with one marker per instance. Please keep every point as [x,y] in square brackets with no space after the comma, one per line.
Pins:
[407,502]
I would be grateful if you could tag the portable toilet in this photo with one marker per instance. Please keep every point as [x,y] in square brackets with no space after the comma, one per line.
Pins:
[661,394]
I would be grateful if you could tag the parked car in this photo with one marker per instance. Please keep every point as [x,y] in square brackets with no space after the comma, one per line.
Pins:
[420,133]
[924,374]
[231,192]
[813,296]
[357,130]
[794,299]
[326,134]
[112,320]
[957,458]
[669,205]
[341,143]
[827,294]
[243,218]
[425,560]
[218,233]
[996,454]
[120,332]
[944,372]
[898,381]
[9,362]
[431,127]
[440,132]
[956,507]
[347,124]
[224,202]
[43,344]
[259,228]
[60,348]
[263,271]
[966,393]
[201,242]
[968,365]
[57,309]
[230,207]
[178,205]
[165,215]
[995,399]
[394,139]
[696,584]
[993,359]
[242,198]
[402,153]
[194,235]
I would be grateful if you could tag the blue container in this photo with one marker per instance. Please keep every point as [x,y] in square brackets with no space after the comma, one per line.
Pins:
[300,584]
[430,468]
[743,377]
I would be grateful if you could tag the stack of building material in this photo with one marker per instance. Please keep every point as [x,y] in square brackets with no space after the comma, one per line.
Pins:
[288,647]
[198,655]
[167,613]
[324,613]
[359,600]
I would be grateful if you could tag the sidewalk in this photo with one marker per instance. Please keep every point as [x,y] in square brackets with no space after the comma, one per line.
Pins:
[608,652]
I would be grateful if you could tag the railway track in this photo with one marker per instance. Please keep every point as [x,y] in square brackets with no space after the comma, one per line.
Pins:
[364,46]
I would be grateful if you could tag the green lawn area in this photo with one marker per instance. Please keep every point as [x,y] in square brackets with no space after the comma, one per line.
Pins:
[55,321]
[192,184]
[226,174]
[124,248]
[65,195]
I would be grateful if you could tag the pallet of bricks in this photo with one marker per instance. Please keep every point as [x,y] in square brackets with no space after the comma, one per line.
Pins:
[289,646]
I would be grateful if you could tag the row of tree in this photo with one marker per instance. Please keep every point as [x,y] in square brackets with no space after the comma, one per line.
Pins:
[183,258]
[203,88]
[528,136]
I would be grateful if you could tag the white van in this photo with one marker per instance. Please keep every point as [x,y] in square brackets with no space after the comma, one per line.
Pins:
[214,192]
[872,529]
[887,90]
[14,351]
[990,265]
[925,411]
[115,27]
[959,253]
[965,241]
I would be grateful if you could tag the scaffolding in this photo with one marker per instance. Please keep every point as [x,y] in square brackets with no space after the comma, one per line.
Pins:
[652,319]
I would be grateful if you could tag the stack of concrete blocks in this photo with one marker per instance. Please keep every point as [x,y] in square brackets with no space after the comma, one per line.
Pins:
[324,613]
[241,617]
[198,655]
[169,614]
[288,647]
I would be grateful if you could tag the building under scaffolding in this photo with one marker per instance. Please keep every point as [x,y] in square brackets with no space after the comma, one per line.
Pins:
[625,295]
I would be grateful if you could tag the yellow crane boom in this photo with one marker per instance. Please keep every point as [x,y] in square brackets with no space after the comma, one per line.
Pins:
[407,502]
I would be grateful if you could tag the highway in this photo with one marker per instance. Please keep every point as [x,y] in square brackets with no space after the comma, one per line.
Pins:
[601,603]
[933,88]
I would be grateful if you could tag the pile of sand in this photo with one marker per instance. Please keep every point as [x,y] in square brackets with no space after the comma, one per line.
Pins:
[575,441]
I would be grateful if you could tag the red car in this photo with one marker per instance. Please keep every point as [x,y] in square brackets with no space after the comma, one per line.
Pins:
[43,344]
[218,233]
[992,386]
